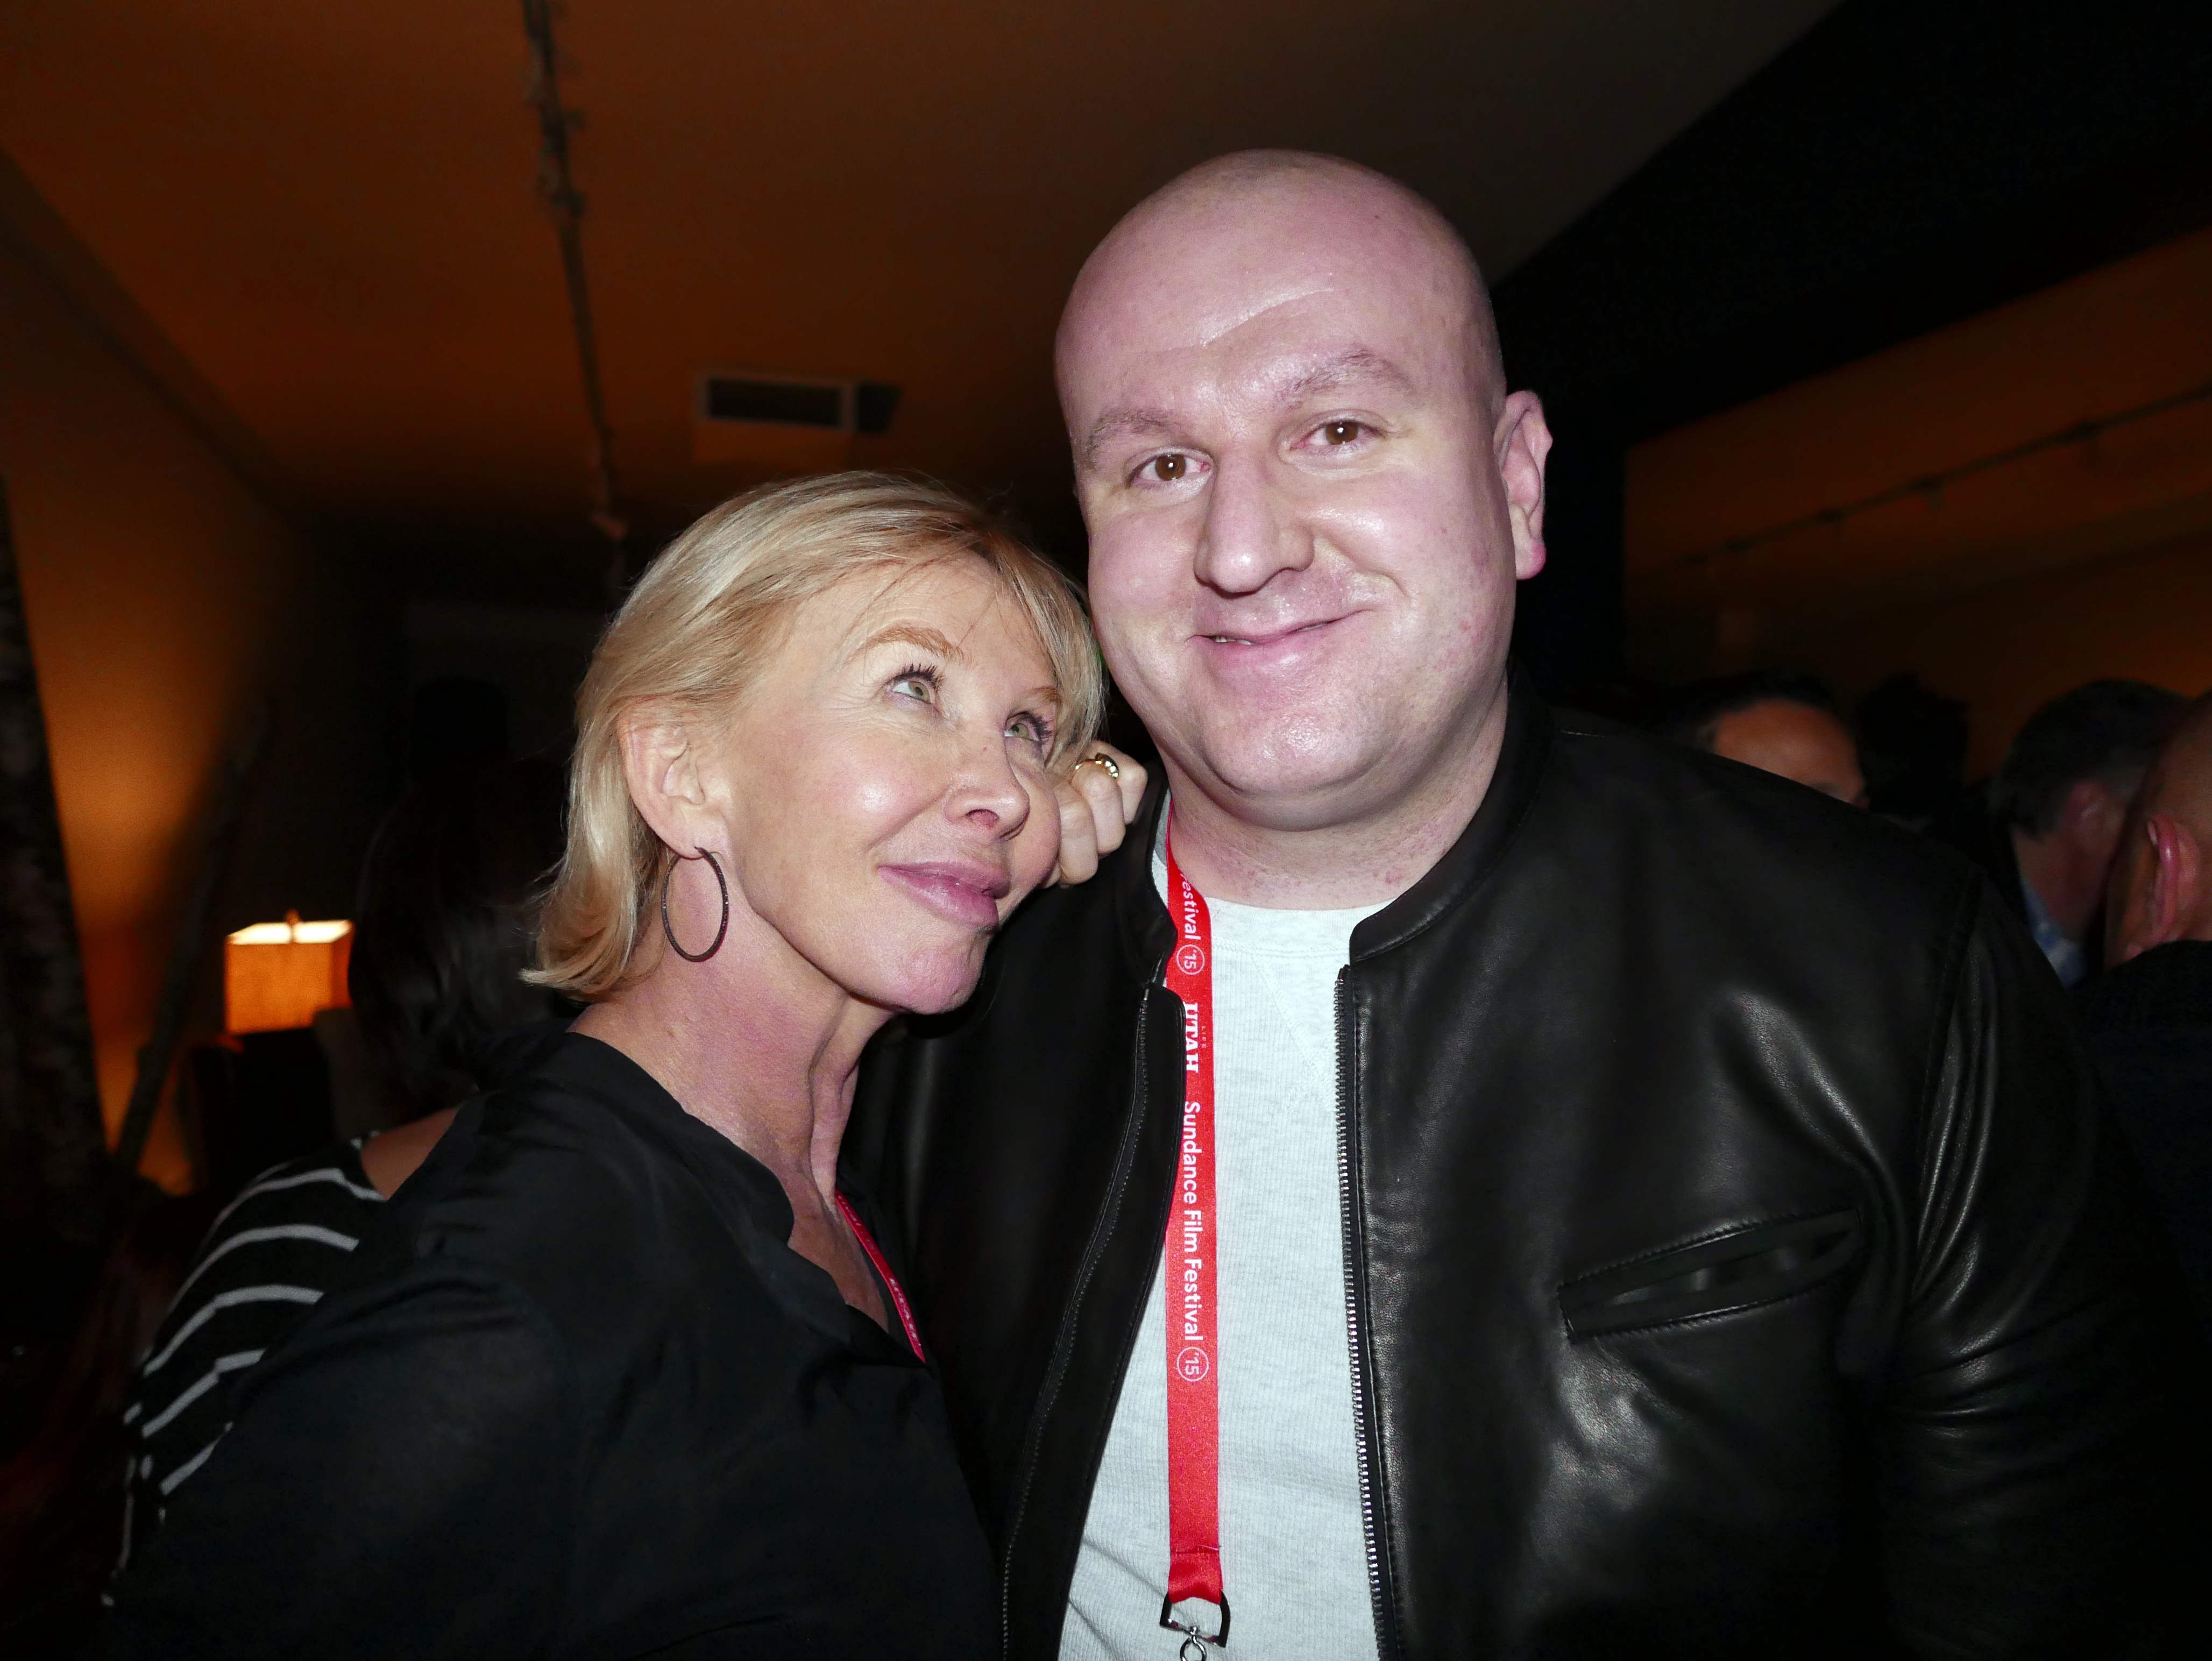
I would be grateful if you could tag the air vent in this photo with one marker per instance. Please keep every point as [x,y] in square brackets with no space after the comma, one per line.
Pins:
[752,399]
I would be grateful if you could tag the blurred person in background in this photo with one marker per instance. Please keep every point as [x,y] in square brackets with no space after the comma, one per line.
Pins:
[1779,720]
[2050,820]
[444,929]
[2150,1016]
[445,924]
[1912,748]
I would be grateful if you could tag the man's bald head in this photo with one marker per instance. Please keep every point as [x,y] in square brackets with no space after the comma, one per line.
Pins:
[2162,881]
[1221,229]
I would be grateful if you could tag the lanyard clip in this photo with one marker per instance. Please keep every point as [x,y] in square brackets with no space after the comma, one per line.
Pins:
[1194,1635]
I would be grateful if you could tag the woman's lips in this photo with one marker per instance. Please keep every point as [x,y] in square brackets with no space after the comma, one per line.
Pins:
[966,894]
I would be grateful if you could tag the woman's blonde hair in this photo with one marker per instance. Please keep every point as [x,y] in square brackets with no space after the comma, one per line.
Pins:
[705,617]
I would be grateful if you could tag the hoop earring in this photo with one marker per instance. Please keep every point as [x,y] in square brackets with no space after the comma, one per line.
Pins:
[669,930]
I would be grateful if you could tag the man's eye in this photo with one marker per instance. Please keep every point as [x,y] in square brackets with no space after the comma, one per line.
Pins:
[1341,431]
[1170,467]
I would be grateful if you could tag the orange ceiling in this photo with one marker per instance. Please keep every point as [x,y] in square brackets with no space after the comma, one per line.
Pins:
[330,208]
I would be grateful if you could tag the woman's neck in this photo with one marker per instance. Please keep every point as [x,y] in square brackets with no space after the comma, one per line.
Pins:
[755,1042]
[758,1044]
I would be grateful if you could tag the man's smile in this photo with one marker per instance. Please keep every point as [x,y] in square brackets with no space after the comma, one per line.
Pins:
[1269,639]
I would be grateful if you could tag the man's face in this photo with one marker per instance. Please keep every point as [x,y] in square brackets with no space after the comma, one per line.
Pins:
[1302,552]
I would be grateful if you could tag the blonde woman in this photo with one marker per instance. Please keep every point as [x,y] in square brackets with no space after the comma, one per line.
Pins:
[620,1371]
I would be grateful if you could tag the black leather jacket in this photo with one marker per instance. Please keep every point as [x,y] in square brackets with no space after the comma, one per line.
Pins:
[1730,1266]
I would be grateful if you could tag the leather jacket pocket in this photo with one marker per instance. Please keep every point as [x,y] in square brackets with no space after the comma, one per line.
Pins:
[1740,1270]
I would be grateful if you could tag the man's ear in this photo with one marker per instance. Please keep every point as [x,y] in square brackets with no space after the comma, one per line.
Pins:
[661,764]
[1521,442]
[2178,884]
[2094,814]
[2176,876]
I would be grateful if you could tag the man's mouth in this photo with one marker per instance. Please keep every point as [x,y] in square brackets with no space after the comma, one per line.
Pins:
[1271,636]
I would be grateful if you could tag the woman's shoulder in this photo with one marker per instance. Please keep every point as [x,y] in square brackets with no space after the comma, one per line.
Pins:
[272,1255]
[273,1251]
[582,1181]
[283,1240]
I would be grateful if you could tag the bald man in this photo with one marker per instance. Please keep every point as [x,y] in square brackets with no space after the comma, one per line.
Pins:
[1778,720]
[2150,1016]
[1463,1183]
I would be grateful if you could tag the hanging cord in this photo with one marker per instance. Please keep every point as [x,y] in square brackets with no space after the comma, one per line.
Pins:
[556,185]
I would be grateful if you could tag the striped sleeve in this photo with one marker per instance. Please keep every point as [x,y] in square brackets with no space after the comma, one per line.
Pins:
[267,1261]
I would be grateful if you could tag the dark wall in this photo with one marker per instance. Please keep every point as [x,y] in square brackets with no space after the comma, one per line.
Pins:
[1901,166]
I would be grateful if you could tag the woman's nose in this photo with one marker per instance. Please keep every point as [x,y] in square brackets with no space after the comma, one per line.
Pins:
[988,792]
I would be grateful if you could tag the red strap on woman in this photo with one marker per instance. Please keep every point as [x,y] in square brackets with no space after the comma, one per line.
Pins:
[1193,1323]
[898,1293]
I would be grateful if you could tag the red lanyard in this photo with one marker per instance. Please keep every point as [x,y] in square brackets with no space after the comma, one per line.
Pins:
[898,1294]
[1193,1325]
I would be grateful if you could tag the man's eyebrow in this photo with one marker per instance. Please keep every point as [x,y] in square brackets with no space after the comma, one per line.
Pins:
[1345,368]
[915,634]
[1120,425]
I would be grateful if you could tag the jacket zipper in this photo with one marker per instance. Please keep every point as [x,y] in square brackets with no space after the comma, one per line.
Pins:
[1385,1642]
[1063,1350]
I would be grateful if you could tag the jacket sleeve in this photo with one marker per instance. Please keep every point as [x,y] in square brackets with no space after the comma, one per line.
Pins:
[2013,1422]
[395,1486]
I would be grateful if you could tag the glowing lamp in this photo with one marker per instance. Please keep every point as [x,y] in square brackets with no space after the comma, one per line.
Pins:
[277,975]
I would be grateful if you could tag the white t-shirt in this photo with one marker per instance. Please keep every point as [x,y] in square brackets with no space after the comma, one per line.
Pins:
[1293,1550]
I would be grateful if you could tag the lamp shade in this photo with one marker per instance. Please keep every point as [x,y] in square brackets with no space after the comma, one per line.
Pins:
[277,975]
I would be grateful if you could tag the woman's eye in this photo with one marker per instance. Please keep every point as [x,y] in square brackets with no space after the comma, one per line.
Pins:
[917,683]
[1031,730]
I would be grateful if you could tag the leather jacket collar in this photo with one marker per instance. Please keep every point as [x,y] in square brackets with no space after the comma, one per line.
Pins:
[1147,933]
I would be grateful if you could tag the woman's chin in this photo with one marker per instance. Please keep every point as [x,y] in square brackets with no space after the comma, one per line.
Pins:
[938,1005]
[928,983]
[948,992]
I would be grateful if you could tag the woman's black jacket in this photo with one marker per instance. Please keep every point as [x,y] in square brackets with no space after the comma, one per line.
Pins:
[578,1398]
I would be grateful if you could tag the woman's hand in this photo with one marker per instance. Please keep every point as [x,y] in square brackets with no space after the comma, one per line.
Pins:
[1094,811]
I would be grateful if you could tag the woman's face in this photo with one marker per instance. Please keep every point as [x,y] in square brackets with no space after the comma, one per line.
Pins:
[884,782]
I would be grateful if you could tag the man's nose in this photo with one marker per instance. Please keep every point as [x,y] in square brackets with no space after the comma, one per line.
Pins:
[1252,530]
